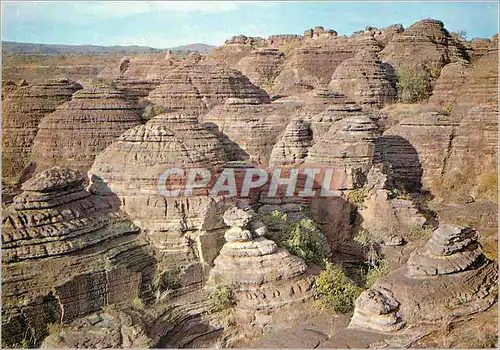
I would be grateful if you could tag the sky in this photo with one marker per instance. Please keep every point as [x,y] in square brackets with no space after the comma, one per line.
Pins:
[163,24]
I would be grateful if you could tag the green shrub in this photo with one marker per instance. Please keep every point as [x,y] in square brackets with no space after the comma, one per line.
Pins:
[164,284]
[413,84]
[375,272]
[302,238]
[152,111]
[100,82]
[137,303]
[357,196]
[334,290]
[221,299]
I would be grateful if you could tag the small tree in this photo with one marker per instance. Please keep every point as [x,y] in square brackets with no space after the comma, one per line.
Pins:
[413,84]
[152,111]
[221,299]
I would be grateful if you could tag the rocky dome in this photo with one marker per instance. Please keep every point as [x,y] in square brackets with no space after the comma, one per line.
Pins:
[425,43]
[294,144]
[81,128]
[364,79]
[262,66]
[449,84]
[22,111]
[198,87]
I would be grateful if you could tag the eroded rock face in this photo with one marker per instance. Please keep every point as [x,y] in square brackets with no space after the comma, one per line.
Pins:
[22,111]
[252,128]
[364,79]
[348,146]
[426,43]
[449,84]
[262,66]
[81,128]
[384,35]
[448,277]
[234,49]
[293,147]
[263,275]
[377,309]
[196,87]
[8,87]
[132,167]
[312,65]
[66,252]
[451,249]
[472,155]
[419,147]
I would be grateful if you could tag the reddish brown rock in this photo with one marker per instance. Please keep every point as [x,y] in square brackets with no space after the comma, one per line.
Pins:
[234,49]
[196,87]
[22,111]
[262,66]
[8,87]
[132,167]
[364,79]
[425,43]
[66,252]
[449,84]
[252,126]
[81,128]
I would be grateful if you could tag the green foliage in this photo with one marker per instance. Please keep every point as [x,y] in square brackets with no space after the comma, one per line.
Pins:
[302,238]
[396,193]
[221,299]
[377,265]
[100,82]
[334,290]
[152,111]
[420,232]
[137,303]
[413,84]
[357,196]
[375,272]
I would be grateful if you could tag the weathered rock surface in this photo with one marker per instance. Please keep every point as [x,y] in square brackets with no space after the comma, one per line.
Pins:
[263,275]
[22,111]
[252,128]
[364,79]
[377,309]
[450,249]
[234,49]
[426,43]
[81,128]
[384,35]
[66,253]
[197,87]
[262,66]
[449,84]
[312,65]
[447,278]
[418,148]
[294,144]
[8,87]
[132,167]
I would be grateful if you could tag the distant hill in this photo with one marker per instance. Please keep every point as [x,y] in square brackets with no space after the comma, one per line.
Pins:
[12,47]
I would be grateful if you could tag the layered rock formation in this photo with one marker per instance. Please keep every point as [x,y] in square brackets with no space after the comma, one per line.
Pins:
[234,49]
[252,128]
[448,277]
[196,87]
[66,253]
[22,111]
[472,155]
[263,275]
[449,84]
[384,35]
[311,65]
[364,79]
[81,128]
[133,167]
[262,66]
[293,147]
[8,87]
[425,43]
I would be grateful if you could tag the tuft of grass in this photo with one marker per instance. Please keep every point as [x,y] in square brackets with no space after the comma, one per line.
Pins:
[487,187]
[357,196]
[137,303]
[221,299]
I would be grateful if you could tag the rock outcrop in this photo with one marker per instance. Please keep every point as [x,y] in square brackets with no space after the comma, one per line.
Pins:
[81,128]
[133,166]
[364,79]
[450,249]
[8,87]
[252,128]
[449,84]
[312,65]
[197,87]
[22,111]
[378,310]
[263,275]
[448,277]
[425,43]
[262,66]
[66,252]
[294,144]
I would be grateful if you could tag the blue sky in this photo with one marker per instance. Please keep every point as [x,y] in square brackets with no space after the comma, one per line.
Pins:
[171,23]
